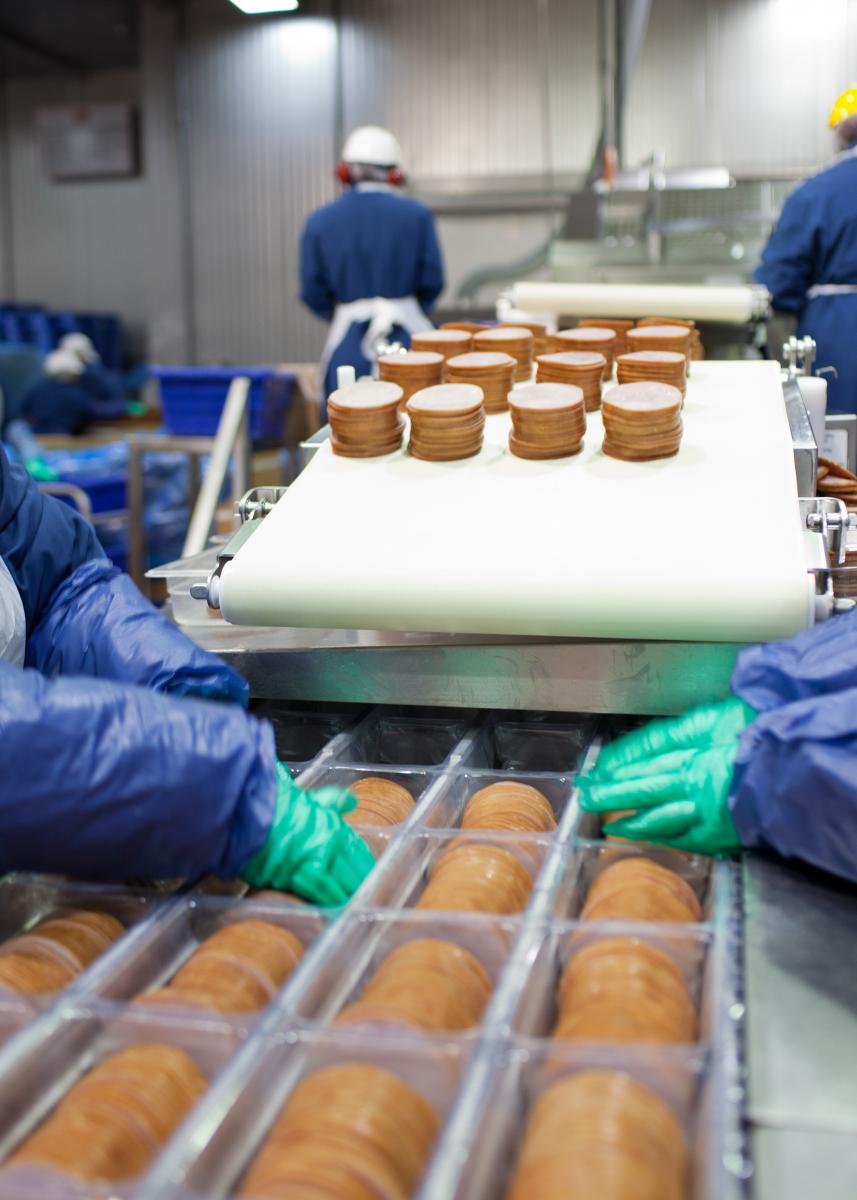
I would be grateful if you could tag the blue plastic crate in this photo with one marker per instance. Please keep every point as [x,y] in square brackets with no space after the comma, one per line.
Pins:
[192,399]
[106,492]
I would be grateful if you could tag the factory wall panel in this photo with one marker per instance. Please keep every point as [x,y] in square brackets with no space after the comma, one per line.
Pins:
[261,112]
[742,83]
[73,241]
[108,245]
[485,88]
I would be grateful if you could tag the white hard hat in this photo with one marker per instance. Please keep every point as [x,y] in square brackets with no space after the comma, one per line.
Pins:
[62,362]
[81,346]
[372,146]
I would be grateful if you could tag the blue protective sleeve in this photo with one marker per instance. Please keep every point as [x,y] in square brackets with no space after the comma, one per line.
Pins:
[795,783]
[108,781]
[789,262]
[97,623]
[316,291]
[818,661]
[430,270]
[42,541]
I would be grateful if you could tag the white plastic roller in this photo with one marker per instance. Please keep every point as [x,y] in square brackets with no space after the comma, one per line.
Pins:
[738,303]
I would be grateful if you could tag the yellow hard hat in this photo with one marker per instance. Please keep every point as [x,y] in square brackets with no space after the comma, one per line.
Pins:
[845,106]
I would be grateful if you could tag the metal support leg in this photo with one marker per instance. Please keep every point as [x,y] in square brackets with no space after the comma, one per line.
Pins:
[136,531]
[232,437]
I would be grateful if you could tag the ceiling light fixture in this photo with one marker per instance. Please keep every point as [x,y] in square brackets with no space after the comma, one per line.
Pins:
[266,6]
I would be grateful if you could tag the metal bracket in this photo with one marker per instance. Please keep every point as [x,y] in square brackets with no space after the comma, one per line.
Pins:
[258,502]
[251,509]
[799,356]
[829,517]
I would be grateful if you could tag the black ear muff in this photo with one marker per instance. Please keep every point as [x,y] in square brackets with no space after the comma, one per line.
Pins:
[343,173]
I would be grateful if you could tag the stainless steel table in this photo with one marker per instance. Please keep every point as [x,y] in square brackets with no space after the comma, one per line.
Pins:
[801,1035]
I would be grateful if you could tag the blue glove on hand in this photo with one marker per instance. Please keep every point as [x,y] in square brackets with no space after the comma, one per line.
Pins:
[309,849]
[676,776]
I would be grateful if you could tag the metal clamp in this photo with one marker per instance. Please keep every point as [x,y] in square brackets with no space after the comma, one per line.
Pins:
[258,502]
[830,518]
[799,356]
[251,510]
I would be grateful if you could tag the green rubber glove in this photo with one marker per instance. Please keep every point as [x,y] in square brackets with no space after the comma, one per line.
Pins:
[40,471]
[702,727]
[676,775]
[310,850]
[136,408]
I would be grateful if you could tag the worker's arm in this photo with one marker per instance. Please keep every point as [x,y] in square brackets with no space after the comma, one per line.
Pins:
[795,783]
[724,776]
[430,277]
[97,623]
[788,266]
[316,291]
[106,781]
[83,617]
[108,399]
[819,661]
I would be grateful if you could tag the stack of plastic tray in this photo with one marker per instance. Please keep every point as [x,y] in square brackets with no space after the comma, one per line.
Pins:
[482,1081]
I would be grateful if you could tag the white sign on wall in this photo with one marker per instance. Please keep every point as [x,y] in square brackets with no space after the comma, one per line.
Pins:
[88,141]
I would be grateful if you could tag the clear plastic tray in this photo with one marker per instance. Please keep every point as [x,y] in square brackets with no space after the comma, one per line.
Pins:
[363,941]
[43,1067]
[398,739]
[154,961]
[302,732]
[450,799]
[231,1143]
[482,1145]
[538,741]
[405,879]
[25,901]
[483,1079]
[421,783]
[533,1014]
[586,859]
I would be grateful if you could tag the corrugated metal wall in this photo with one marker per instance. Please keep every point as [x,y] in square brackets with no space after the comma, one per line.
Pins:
[262,99]
[488,87]
[745,83]
[478,88]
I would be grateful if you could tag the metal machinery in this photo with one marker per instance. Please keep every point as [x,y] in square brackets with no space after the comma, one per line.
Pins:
[778,1096]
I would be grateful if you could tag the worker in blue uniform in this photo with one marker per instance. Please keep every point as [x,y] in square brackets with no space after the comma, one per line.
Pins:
[810,263]
[772,767]
[370,261]
[125,750]
[63,402]
[103,385]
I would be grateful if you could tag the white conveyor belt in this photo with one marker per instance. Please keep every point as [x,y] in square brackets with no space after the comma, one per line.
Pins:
[709,302]
[705,546]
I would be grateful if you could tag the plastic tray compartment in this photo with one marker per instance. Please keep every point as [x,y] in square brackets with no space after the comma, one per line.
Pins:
[233,1129]
[416,780]
[534,1011]
[486,1146]
[392,739]
[554,742]
[58,1050]
[364,940]
[27,900]
[447,808]
[299,733]
[192,919]
[401,882]
[586,859]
